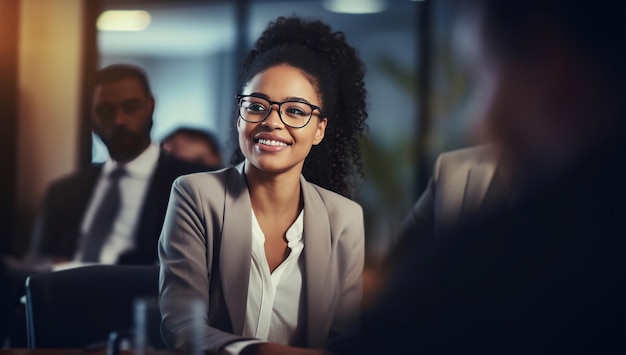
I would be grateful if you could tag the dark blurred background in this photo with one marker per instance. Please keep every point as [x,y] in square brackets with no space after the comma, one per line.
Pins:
[191,50]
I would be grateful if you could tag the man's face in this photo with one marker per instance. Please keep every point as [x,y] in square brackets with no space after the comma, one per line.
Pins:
[122,117]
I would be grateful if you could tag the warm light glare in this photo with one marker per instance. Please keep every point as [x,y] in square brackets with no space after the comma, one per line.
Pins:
[123,20]
[355,6]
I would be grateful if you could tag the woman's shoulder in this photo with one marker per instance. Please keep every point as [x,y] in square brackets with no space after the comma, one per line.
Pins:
[334,202]
[344,216]
[206,179]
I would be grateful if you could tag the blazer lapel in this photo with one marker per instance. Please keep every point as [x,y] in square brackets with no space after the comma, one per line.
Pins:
[75,204]
[317,253]
[152,214]
[85,189]
[478,179]
[236,246]
[453,186]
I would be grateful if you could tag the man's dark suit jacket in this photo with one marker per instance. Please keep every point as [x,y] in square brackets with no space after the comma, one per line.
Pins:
[546,276]
[58,226]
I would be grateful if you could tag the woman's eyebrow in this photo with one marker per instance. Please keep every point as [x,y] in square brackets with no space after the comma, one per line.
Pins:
[260,94]
[296,98]
[289,98]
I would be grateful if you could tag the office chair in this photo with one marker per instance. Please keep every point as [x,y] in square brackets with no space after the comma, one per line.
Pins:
[81,307]
[5,303]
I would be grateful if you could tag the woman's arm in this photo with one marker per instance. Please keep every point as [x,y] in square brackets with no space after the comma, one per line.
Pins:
[351,253]
[185,247]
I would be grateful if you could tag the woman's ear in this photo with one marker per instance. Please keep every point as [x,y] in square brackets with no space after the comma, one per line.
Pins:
[320,131]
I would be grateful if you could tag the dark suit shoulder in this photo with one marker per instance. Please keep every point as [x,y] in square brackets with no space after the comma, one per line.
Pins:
[76,179]
[169,168]
[178,166]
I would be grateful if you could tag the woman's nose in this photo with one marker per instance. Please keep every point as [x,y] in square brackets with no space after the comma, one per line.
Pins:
[273,119]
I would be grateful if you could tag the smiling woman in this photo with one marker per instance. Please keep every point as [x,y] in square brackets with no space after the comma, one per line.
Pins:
[282,244]
[288,129]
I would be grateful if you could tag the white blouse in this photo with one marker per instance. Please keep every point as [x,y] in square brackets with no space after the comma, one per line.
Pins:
[274,309]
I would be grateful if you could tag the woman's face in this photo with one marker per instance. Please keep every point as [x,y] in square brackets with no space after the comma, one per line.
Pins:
[270,145]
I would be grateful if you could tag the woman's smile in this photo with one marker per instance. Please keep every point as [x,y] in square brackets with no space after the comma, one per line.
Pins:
[267,142]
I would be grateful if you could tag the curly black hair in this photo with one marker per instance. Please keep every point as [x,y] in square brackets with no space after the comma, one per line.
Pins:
[337,72]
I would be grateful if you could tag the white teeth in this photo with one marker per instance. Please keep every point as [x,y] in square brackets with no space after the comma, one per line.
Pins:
[271,142]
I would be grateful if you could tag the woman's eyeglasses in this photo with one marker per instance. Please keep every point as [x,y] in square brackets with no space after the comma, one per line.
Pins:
[292,113]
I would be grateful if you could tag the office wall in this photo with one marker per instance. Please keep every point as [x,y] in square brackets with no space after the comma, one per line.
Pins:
[49,67]
[9,10]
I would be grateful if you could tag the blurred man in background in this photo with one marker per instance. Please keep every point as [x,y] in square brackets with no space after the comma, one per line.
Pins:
[546,275]
[195,145]
[112,213]
[109,213]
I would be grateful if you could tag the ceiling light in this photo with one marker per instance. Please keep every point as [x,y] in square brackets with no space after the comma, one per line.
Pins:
[355,6]
[123,20]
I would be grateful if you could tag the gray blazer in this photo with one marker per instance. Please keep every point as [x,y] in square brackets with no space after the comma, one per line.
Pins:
[205,254]
[460,182]
[457,190]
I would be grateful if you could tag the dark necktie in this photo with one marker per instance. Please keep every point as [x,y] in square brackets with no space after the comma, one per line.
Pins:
[104,219]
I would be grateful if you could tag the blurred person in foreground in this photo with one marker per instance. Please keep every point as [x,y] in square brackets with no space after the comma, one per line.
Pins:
[273,248]
[548,274]
[196,145]
[465,182]
[73,225]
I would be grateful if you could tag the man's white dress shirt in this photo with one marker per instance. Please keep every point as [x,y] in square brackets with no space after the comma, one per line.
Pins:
[133,187]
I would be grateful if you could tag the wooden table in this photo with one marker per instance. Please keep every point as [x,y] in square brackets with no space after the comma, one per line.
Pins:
[73,352]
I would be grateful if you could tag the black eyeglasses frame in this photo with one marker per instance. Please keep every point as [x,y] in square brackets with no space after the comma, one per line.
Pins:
[272,103]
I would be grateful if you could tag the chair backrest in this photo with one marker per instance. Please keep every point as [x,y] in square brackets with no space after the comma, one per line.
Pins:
[75,308]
